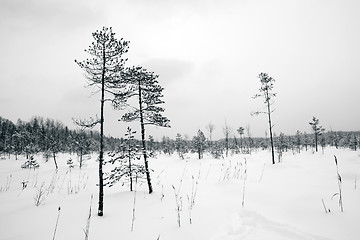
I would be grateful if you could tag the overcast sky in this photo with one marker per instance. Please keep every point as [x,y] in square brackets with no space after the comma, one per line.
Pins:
[208,54]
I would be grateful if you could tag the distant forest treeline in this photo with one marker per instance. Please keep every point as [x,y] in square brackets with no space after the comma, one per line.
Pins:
[47,136]
[40,135]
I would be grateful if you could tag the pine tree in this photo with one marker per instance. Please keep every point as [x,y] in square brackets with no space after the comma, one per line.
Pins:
[199,142]
[240,130]
[126,157]
[227,131]
[317,129]
[31,163]
[267,85]
[180,145]
[143,85]
[104,71]
[298,140]
[81,144]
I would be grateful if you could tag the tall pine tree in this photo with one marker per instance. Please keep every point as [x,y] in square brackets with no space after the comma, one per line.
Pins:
[103,70]
[143,85]
[317,129]
[266,91]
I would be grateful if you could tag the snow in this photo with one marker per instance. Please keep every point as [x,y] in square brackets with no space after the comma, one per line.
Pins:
[281,201]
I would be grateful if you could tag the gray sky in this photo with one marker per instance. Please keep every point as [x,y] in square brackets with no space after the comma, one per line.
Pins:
[208,54]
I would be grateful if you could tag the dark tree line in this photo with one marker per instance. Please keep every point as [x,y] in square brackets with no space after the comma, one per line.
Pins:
[47,136]
[42,135]
[300,141]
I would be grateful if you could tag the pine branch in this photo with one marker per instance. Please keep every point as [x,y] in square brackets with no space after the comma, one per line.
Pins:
[84,123]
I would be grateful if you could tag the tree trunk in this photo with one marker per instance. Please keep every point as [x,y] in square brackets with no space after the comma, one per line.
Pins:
[227,145]
[54,156]
[270,128]
[101,157]
[148,178]
[130,169]
[241,145]
[81,157]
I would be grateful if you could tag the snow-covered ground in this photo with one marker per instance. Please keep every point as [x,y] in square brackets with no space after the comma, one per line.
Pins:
[282,201]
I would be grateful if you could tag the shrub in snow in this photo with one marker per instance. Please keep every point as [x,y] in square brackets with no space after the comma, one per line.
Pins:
[181,146]
[31,163]
[40,194]
[70,163]
[217,150]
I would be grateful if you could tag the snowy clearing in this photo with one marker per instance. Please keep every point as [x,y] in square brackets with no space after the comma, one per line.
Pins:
[204,197]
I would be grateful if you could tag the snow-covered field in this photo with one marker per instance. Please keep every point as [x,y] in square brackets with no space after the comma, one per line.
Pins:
[282,201]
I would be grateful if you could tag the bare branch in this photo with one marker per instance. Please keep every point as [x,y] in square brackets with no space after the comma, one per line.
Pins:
[86,123]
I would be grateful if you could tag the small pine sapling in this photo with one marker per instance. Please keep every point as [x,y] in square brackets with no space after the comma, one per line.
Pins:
[216,150]
[126,159]
[24,184]
[70,163]
[31,164]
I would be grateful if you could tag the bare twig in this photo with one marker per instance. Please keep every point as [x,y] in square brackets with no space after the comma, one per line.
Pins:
[57,222]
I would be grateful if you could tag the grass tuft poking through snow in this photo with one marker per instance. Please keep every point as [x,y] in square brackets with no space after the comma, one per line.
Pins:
[40,195]
[57,222]
[245,177]
[339,185]
[178,202]
[134,206]
[87,229]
